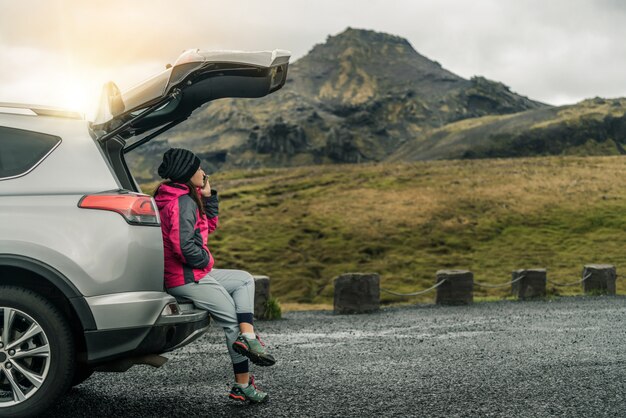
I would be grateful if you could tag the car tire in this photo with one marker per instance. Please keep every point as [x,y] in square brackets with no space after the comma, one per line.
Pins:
[37,353]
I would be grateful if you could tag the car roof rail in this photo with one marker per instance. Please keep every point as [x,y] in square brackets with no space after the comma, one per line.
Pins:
[38,110]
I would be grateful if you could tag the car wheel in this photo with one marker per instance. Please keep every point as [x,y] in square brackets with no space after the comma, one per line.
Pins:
[36,352]
[82,372]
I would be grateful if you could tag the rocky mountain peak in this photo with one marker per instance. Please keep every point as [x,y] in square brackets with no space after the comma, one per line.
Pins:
[362,45]
[354,36]
[358,96]
[357,65]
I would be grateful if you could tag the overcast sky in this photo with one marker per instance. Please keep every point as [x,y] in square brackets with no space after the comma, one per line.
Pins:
[557,51]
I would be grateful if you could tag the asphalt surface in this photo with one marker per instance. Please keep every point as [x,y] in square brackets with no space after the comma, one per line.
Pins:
[560,358]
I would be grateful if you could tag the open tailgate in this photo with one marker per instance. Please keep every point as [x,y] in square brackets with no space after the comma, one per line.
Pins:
[195,78]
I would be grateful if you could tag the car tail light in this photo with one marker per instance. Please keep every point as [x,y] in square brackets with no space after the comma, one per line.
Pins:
[137,209]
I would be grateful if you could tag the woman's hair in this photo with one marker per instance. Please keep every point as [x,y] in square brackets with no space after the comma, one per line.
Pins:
[193,193]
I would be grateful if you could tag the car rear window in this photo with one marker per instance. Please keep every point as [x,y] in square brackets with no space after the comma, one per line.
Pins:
[21,151]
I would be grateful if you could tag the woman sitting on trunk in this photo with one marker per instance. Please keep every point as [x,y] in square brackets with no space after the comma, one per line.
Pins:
[189,213]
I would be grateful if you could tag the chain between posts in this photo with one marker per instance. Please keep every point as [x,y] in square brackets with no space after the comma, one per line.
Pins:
[569,284]
[414,293]
[484,285]
[500,285]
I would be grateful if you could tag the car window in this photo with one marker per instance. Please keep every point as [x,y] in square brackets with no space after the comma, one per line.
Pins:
[21,151]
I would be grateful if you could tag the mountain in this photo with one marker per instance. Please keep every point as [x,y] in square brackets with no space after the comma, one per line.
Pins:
[592,127]
[360,96]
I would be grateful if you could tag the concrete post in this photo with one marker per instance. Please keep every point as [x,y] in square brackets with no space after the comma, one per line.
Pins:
[601,278]
[531,285]
[458,287]
[357,293]
[261,295]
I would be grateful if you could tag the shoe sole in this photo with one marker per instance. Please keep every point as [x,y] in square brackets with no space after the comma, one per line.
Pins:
[258,359]
[243,399]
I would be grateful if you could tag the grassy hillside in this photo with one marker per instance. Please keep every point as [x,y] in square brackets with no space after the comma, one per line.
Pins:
[591,127]
[304,226]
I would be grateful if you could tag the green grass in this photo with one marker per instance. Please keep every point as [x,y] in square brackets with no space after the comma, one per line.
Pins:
[272,309]
[305,226]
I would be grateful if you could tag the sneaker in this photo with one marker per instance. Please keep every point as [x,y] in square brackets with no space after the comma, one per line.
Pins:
[251,393]
[253,349]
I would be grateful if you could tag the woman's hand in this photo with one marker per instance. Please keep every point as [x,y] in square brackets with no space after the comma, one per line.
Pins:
[206,189]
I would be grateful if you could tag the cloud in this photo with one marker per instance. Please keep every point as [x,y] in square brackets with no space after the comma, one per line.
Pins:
[550,51]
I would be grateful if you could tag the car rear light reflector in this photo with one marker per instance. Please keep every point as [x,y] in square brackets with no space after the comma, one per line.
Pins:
[171,309]
[137,209]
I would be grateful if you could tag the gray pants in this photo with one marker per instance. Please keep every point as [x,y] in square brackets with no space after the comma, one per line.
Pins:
[228,295]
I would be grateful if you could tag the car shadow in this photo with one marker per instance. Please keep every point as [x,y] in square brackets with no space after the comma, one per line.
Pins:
[92,402]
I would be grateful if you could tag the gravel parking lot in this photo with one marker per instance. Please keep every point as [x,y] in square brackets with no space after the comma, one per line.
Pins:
[552,358]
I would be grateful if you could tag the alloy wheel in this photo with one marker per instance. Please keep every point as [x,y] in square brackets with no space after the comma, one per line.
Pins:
[24,356]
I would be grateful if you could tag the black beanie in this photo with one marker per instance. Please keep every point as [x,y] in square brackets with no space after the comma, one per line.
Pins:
[179,165]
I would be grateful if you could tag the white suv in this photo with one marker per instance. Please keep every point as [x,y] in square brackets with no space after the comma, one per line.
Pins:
[81,251]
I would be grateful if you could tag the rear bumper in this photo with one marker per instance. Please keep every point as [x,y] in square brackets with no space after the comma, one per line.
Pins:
[167,334]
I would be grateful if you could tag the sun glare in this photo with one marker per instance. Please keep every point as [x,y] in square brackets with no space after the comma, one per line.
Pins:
[79,94]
